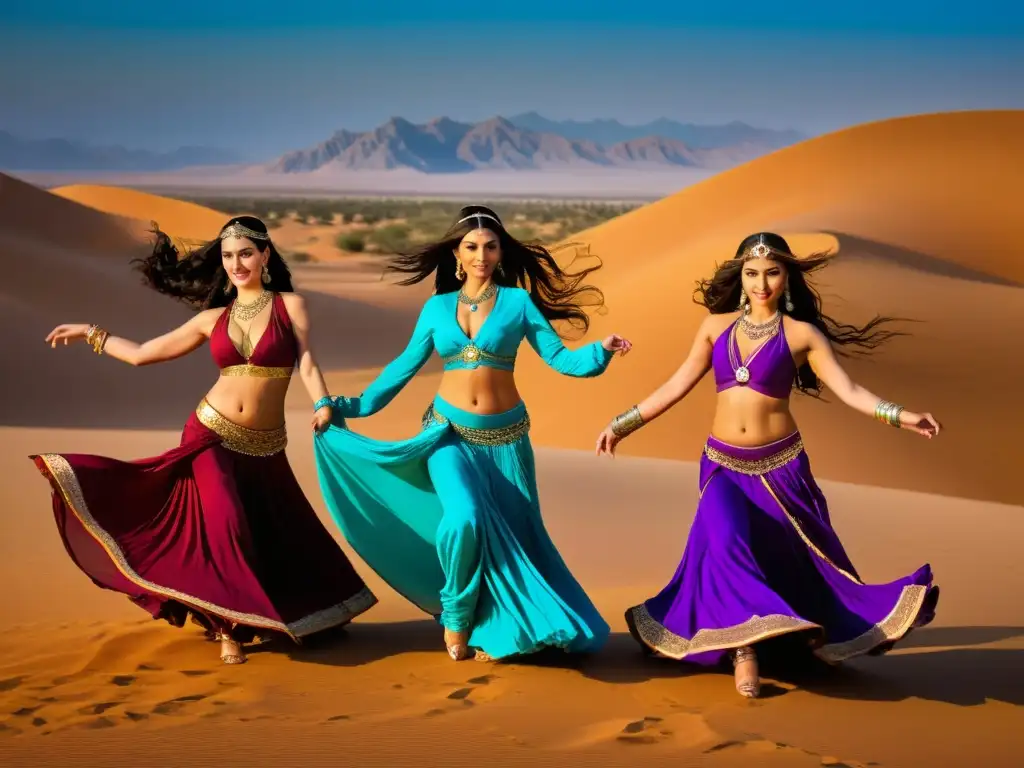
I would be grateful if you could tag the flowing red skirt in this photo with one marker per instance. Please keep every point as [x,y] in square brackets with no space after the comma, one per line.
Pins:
[227,537]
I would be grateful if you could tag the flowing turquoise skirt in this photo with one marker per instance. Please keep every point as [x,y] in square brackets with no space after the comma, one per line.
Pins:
[450,519]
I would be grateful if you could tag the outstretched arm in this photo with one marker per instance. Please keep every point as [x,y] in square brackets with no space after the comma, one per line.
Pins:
[589,360]
[678,386]
[822,359]
[177,343]
[396,374]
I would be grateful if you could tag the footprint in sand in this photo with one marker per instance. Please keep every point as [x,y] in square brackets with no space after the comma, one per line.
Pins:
[195,672]
[123,680]
[26,711]
[135,716]
[173,706]
[100,722]
[98,709]
[10,683]
[645,731]
[336,718]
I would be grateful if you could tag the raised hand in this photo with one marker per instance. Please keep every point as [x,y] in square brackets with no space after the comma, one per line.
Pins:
[616,343]
[922,423]
[67,332]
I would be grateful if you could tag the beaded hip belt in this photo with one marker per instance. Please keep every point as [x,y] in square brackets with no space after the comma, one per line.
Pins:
[235,437]
[476,436]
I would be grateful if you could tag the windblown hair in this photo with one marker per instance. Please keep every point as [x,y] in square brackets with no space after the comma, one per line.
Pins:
[197,277]
[721,295]
[558,294]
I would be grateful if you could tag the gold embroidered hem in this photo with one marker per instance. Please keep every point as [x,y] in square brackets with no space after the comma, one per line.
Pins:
[890,629]
[257,371]
[486,437]
[755,629]
[235,437]
[755,466]
[63,477]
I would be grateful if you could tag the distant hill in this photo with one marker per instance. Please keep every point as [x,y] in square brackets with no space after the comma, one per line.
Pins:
[21,154]
[691,134]
[443,145]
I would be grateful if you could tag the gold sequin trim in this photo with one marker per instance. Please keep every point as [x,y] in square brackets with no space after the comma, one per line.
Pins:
[487,437]
[257,371]
[755,466]
[471,353]
[753,630]
[235,437]
[891,628]
[63,476]
[804,537]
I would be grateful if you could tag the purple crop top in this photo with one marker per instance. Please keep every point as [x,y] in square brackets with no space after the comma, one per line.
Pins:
[769,368]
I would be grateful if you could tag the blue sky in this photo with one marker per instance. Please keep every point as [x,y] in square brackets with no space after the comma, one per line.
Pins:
[267,77]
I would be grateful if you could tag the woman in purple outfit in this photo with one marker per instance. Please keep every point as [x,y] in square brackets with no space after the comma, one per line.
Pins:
[762,559]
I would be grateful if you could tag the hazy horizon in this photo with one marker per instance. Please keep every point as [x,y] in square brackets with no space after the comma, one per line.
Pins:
[263,80]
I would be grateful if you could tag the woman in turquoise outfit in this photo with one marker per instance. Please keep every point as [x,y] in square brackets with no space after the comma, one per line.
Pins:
[450,518]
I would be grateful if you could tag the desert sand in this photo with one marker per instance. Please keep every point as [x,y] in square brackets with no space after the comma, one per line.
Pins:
[85,680]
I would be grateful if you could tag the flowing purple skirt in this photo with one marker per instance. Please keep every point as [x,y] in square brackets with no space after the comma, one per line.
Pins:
[762,561]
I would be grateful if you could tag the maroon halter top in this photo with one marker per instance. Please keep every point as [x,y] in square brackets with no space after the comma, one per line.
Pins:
[275,351]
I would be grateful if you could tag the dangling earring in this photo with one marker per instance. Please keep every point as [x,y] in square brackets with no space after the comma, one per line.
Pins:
[460,273]
[744,306]
[265,277]
[788,299]
[501,270]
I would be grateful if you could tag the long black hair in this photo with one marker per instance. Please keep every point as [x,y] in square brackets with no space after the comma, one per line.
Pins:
[721,295]
[197,277]
[558,294]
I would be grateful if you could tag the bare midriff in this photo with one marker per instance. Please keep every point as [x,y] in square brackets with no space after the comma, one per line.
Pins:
[249,401]
[482,390]
[747,419]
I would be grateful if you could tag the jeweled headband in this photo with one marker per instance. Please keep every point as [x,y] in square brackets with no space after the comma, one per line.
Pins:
[760,250]
[240,230]
[479,216]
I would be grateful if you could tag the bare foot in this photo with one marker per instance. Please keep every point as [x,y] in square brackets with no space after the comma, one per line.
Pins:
[748,682]
[456,643]
[230,650]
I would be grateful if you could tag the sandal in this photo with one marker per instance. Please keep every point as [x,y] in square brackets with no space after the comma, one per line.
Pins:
[456,650]
[748,686]
[228,657]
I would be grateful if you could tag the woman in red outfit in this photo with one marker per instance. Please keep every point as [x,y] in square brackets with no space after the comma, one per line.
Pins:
[218,527]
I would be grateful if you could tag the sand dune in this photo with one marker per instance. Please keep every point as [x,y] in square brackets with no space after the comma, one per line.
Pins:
[915,239]
[80,271]
[178,218]
[84,680]
[107,687]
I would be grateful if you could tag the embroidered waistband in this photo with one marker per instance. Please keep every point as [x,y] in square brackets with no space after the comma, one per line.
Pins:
[490,436]
[257,371]
[235,437]
[471,354]
[757,461]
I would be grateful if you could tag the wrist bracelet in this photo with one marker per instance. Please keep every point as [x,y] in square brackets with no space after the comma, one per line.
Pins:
[627,423]
[322,402]
[889,413]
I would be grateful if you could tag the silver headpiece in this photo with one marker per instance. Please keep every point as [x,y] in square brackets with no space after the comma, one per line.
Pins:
[759,250]
[479,216]
[240,230]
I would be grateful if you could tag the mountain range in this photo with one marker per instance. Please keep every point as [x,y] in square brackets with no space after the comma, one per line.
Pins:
[443,145]
[21,154]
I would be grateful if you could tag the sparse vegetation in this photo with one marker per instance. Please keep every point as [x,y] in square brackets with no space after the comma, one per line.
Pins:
[387,225]
[353,242]
[298,257]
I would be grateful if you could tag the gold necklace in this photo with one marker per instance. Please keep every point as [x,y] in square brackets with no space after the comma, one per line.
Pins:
[245,312]
[475,302]
[248,312]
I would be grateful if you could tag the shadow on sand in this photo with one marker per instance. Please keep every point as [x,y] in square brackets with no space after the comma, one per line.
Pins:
[944,664]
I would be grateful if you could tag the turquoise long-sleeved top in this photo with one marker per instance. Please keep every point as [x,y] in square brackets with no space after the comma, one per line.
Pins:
[513,317]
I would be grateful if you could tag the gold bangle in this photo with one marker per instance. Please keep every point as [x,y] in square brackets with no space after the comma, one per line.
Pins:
[96,338]
[888,412]
[628,422]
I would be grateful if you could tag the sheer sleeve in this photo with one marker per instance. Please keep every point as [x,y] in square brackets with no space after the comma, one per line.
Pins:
[396,374]
[589,360]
